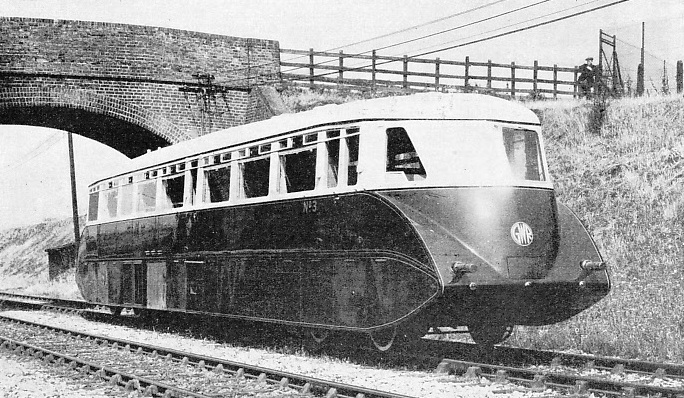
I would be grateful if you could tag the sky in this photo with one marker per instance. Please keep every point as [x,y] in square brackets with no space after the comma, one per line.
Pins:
[34,174]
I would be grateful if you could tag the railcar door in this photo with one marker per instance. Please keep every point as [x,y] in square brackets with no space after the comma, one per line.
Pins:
[156,285]
[127,283]
[140,283]
[114,282]
[177,285]
[202,285]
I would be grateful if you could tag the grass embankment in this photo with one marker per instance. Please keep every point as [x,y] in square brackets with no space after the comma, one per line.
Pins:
[24,262]
[626,185]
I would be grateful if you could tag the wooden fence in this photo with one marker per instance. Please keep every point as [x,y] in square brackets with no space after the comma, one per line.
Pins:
[372,72]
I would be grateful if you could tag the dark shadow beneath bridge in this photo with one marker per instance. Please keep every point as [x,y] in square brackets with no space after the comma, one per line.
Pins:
[128,138]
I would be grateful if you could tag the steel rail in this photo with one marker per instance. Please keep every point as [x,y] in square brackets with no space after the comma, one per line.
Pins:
[301,382]
[104,372]
[577,383]
[515,355]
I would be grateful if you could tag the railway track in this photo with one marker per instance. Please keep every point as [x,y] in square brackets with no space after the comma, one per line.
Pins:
[532,370]
[575,374]
[158,371]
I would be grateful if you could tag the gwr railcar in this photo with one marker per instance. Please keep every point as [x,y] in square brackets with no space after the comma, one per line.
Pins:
[384,217]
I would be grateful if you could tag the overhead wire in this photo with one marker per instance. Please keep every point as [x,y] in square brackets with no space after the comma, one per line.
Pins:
[492,36]
[46,144]
[427,36]
[422,25]
[358,68]
[516,24]
[460,13]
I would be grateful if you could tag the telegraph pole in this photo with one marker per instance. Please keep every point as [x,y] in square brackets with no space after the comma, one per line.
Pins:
[640,70]
[74,199]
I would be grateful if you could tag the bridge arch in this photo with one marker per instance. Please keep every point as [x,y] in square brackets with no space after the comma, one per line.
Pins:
[132,87]
[125,127]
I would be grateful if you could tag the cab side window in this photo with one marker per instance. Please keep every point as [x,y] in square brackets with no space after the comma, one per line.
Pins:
[401,154]
[524,154]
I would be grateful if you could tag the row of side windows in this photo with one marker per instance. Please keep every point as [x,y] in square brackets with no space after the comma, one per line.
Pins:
[299,167]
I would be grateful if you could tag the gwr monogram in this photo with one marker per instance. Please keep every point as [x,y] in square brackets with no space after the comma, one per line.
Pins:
[522,234]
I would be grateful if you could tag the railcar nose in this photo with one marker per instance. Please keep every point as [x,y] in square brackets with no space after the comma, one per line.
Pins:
[485,233]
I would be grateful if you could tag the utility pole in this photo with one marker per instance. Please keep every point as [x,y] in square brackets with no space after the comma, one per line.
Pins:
[74,199]
[640,70]
[643,32]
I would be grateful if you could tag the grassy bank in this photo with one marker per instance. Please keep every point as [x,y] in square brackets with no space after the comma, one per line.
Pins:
[24,262]
[626,185]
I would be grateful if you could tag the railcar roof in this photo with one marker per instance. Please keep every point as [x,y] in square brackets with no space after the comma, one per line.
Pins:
[425,106]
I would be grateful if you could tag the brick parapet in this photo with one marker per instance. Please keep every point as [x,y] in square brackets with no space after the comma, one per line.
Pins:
[110,49]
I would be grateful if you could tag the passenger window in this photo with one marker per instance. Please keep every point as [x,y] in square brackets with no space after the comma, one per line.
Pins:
[255,178]
[93,201]
[147,196]
[193,186]
[111,197]
[401,154]
[298,171]
[218,185]
[353,146]
[333,149]
[524,154]
[173,192]
[127,200]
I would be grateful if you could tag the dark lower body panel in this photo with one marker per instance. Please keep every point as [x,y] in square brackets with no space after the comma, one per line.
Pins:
[514,304]
[360,291]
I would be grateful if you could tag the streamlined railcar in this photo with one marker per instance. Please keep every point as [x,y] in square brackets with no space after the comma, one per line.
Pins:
[385,217]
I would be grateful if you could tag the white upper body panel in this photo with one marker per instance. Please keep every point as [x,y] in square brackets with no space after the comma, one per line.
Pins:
[425,106]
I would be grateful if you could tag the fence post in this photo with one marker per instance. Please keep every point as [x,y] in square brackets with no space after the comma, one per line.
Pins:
[311,68]
[437,74]
[405,83]
[680,77]
[466,79]
[574,86]
[513,79]
[373,61]
[535,73]
[555,81]
[340,74]
[489,74]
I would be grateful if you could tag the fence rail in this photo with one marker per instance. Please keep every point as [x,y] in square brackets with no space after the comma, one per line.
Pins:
[372,72]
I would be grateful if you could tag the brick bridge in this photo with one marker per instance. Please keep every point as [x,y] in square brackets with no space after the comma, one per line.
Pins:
[131,87]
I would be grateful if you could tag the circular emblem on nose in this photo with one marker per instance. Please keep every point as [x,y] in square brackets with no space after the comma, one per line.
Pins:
[522,234]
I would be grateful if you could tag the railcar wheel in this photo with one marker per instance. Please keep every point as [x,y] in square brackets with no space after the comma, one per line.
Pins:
[319,335]
[488,335]
[383,339]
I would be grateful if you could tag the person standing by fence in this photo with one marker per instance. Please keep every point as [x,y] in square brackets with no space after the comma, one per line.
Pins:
[587,77]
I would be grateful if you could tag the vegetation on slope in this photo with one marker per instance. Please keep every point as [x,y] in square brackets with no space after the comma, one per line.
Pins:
[626,185]
[24,262]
